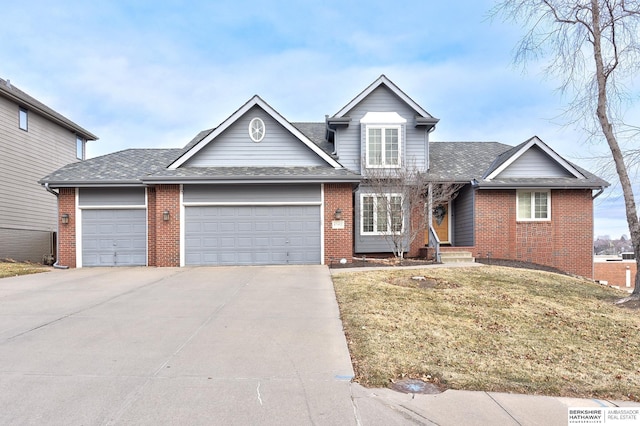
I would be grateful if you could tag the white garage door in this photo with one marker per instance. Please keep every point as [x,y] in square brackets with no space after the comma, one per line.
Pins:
[252,235]
[114,237]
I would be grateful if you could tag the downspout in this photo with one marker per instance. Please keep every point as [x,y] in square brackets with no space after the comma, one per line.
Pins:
[55,265]
[597,194]
[335,139]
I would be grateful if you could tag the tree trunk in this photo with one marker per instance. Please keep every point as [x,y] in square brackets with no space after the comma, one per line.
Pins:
[602,76]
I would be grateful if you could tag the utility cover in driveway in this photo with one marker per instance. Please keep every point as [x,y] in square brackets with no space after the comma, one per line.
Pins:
[114,237]
[252,235]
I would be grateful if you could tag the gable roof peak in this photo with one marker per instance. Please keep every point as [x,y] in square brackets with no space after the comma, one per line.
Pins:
[384,80]
[504,160]
[192,149]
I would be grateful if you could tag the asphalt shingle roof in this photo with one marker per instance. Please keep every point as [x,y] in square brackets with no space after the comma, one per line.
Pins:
[127,166]
[467,161]
[250,173]
[462,161]
[449,161]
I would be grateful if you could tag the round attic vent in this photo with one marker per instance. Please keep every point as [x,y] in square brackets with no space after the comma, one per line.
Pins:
[256,129]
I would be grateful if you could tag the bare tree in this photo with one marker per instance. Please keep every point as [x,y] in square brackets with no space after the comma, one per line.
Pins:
[399,198]
[593,47]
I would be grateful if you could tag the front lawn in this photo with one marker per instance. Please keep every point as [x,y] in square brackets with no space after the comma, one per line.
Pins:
[491,328]
[11,268]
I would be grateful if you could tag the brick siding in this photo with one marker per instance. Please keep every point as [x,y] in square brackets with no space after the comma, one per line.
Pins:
[338,243]
[166,233]
[565,242]
[615,273]
[67,232]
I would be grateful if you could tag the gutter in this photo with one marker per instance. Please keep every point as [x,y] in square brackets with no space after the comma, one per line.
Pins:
[335,139]
[597,194]
[55,265]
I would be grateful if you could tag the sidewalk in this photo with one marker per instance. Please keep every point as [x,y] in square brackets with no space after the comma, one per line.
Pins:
[453,407]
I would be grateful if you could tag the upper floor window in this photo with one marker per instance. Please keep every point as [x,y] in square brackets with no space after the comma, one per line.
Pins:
[23,119]
[534,205]
[381,214]
[383,146]
[80,144]
[383,138]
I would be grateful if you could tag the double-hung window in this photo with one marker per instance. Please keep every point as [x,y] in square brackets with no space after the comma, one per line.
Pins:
[383,138]
[381,214]
[383,146]
[534,205]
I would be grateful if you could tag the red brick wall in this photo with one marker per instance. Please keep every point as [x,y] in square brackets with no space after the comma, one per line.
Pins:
[151,226]
[615,273]
[166,233]
[338,243]
[418,228]
[67,232]
[565,242]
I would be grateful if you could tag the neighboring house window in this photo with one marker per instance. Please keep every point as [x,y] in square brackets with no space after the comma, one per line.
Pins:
[23,118]
[383,146]
[534,205]
[381,214]
[80,143]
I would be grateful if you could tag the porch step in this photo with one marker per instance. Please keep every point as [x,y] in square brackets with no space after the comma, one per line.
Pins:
[456,257]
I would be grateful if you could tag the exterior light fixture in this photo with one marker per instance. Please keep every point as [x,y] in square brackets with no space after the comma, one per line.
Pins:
[338,214]
[64,218]
[165,215]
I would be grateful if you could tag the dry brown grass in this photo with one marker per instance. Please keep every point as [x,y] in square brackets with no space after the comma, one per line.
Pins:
[10,268]
[491,328]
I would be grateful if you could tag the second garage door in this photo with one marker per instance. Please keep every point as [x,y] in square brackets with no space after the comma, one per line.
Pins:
[252,235]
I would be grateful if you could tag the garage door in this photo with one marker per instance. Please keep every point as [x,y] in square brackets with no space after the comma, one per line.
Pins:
[252,235]
[114,237]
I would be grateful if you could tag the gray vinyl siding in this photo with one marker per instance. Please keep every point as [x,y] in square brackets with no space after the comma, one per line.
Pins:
[100,197]
[368,243]
[25,157]
[463,224]
[351,148]
[534,163]
[26,244]
[252,193]
[234,147]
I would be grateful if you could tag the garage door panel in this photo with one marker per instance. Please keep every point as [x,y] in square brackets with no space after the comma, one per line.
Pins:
[114,237]
[256,235]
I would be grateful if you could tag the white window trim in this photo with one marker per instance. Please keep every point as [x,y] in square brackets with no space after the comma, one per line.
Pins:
[366,146]
[533,192]
[80,143]
[375,214]
[23,112]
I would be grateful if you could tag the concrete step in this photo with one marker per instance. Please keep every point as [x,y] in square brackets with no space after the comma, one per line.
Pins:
[456,257]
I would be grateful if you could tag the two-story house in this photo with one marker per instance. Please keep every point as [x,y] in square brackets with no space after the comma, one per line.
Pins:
[34,140]
[259,189]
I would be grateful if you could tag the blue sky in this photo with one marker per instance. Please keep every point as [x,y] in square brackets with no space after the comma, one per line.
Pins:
[143,74]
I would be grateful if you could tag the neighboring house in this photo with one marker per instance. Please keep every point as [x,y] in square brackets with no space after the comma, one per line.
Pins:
[35,140]
[616,271]
[259,189]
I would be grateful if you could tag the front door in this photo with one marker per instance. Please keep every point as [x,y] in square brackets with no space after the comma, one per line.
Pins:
[440,222]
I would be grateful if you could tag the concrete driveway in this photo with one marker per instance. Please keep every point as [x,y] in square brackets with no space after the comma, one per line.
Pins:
[242,345]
